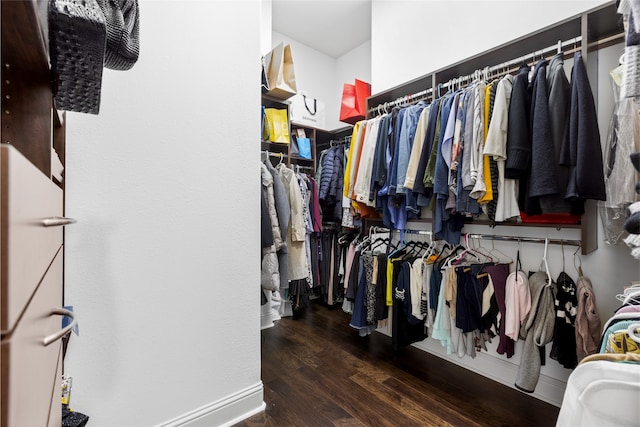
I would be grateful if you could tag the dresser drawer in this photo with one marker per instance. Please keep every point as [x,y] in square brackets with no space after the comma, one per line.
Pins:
[30,369]
[27,246]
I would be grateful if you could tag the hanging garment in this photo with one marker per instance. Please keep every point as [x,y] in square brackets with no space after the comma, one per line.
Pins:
[381,309]
[283,211]
[490,309]
[406,329]
[506,203]
[537,331]
[498,274]
[442,320]
[416,288]
[469,299]
[405,142]
[588,324]
[623,139]
[542,179]
[479,134]
[581,151]
[297,231]
[416,148]
[424,193]
[270,274]
[267,186]
[564,339]
[518,160]
[464,202]
[359,316]
[266,233]
[517,301]
[489,170]
[371,292]
[362,183]
[446,225]
[352,159]
[425,302]
[354,277]
[379,167]
[558,87]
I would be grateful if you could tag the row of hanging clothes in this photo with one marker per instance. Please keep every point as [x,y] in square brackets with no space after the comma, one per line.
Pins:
[605,387]
[464,296]
[516,148]
[290,223]
[620,214]
[330,176]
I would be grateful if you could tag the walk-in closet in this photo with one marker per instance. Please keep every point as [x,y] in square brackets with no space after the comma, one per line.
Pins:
[477,214]
[448,221]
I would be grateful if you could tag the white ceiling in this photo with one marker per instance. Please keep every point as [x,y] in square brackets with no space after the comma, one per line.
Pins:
[333,27]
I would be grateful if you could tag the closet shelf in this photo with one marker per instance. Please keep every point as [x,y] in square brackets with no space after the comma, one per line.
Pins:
[285,148]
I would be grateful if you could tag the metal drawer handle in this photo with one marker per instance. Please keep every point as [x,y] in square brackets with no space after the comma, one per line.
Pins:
[57,221]
[62,332]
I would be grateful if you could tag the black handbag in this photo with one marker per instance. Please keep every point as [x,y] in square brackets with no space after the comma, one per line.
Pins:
[77,41]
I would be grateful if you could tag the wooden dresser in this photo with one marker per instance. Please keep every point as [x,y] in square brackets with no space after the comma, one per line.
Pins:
[31,223]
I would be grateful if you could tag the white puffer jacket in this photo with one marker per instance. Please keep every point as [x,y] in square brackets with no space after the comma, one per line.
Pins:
[270,274]
[267,186]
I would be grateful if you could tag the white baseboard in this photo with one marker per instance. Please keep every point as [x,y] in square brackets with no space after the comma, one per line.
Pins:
[548,389]
[225,412]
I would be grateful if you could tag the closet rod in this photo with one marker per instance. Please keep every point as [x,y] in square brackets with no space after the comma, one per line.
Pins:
[272,154]
[407,99]
[344,140]
[576,42]
[525,239]
[422,232]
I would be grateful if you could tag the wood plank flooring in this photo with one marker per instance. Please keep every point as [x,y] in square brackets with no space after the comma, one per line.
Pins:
[317,371]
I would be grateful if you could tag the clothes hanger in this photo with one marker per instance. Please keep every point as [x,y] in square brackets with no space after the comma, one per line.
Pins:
[493,249]
[632,331]
[578,267]
[630,296]
[430,249]
[467,250]
[546,263]
[453,251]
[378,242]
[486,254]
[397,250]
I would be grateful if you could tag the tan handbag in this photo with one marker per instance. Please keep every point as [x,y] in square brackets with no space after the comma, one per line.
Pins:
[280,74]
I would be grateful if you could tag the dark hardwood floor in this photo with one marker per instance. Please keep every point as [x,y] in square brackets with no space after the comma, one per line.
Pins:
[317,371]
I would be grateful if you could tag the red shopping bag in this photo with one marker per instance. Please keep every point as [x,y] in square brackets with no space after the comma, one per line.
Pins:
[353,107]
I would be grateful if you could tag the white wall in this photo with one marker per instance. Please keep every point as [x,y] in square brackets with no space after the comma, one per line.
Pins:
[413,38]
[266,14]
[159,267]
[398,56]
